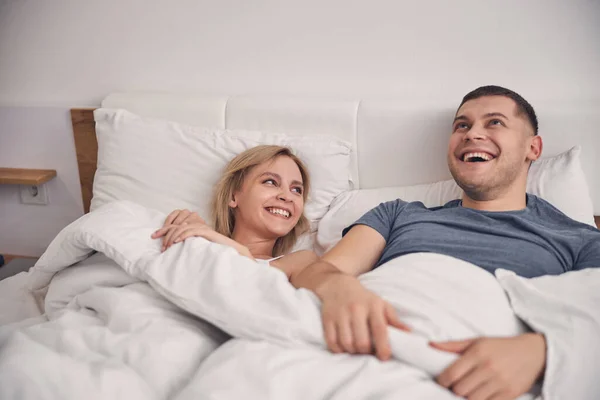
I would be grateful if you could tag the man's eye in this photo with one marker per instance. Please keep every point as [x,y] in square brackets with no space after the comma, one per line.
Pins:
[461,125]
[496,122]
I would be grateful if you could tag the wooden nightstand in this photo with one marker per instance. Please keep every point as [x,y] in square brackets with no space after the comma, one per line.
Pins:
[31,183]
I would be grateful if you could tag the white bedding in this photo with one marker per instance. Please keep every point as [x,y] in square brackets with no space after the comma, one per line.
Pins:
[17,302]
[129,328]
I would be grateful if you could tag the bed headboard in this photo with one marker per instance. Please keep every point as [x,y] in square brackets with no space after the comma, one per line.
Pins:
[398,143]
[86,149]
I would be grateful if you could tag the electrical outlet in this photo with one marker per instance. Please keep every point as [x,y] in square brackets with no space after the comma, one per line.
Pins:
[34,194]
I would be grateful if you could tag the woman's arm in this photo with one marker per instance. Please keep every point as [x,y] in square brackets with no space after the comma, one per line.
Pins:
[292,264]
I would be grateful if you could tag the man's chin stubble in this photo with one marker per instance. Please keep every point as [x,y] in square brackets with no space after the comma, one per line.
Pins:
[477,192]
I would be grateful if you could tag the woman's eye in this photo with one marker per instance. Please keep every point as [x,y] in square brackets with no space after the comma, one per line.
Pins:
[297,190]
[270,182]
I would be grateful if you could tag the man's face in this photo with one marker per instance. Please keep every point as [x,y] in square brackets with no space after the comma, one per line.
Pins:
[491,147]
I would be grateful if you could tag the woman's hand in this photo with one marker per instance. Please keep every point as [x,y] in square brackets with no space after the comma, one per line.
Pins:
[178,233]
[176,217]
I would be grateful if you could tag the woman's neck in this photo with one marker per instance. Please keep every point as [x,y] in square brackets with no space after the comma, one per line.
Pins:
[259,247]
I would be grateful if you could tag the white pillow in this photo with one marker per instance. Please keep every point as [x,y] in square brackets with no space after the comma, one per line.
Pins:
[559,180]
[166,165]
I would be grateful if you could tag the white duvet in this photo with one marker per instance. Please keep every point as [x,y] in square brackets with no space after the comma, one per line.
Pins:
[130,322]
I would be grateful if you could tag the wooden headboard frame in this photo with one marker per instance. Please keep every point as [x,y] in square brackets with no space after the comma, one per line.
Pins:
[86,146]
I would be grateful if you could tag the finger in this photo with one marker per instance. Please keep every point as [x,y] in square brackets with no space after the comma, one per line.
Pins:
[183,236]
[171,217]
[458,347]
[160,232]
[344,331]
[502,396]
[360,331]
[175,233]
[182,216]
[190,231]
[331,337]
[168,231]
[489,390]
[455,372]
[475,379]
[393,319]
[170,236]
[379,330]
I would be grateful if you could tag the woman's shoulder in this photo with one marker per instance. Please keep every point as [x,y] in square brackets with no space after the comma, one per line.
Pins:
[308,255]
[293,263]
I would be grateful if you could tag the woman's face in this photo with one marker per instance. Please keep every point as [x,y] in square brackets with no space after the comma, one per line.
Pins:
[271,200]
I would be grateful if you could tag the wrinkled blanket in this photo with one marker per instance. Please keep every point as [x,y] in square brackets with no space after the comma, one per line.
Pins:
[130,322]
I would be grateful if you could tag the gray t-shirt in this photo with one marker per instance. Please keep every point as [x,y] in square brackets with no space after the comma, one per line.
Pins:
[538,240]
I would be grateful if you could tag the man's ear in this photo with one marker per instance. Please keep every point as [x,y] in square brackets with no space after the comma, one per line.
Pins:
[535,148]
[233,202]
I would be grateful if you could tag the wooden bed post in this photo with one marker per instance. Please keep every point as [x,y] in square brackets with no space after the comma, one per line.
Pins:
[86,147]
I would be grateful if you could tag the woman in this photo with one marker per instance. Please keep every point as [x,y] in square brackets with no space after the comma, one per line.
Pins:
[258,209]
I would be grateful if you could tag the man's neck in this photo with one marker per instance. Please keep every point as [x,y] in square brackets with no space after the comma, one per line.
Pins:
[259,247]
[509,201]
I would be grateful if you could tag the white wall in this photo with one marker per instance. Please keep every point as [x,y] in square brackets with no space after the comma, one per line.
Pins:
[71,52]
[65,53]
[37,137]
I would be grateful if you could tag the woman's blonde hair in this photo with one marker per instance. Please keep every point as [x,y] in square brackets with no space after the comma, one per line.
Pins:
[232,181]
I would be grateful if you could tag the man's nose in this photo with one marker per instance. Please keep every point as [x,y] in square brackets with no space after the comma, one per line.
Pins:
[475,133]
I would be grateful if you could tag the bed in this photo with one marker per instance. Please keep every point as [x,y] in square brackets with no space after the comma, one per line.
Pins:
[372,148]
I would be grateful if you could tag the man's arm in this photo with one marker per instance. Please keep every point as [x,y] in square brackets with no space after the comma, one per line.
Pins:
[355,254]
[354,319]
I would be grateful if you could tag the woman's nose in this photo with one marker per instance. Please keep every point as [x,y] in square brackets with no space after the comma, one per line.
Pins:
[284,195]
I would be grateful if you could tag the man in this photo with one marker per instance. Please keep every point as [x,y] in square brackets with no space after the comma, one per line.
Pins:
[496,225]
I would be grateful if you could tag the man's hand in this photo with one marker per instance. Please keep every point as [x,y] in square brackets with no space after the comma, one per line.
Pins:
[355,320]
[494,368]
